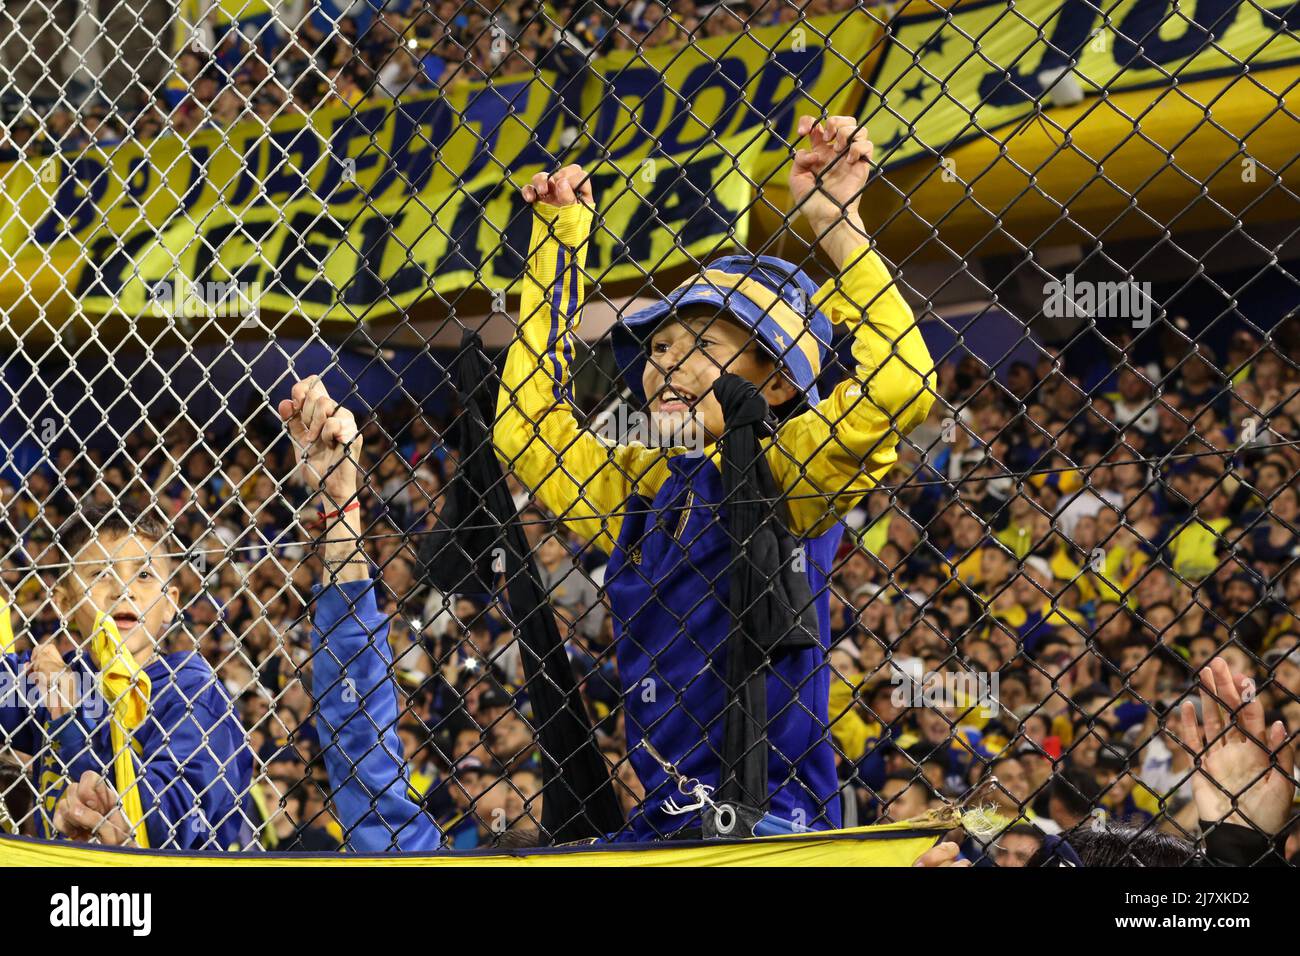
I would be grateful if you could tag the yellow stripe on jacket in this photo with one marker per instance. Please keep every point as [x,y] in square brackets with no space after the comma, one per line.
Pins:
[7,640]
[825,458]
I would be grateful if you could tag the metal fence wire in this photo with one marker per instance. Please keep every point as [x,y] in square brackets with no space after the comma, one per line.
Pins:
[441,425]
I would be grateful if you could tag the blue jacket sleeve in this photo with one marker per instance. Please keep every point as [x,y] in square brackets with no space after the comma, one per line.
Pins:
[357,703]
[182,785]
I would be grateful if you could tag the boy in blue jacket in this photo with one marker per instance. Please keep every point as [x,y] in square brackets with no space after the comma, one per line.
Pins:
[128,745]
[659,512]
[760,318]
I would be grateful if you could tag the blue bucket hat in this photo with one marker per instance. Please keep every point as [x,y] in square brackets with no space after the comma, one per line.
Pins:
[771,297]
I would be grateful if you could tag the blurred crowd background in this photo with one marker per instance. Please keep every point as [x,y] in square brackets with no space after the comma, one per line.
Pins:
[258,61]
[1084,533]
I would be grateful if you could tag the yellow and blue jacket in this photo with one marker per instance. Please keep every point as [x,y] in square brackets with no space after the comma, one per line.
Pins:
[656,512]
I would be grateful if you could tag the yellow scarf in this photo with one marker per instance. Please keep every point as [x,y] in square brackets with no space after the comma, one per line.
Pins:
[126,688]
[7,640]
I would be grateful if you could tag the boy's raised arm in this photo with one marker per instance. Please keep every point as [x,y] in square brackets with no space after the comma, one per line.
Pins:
[351,660]
[826,458]
[583,480]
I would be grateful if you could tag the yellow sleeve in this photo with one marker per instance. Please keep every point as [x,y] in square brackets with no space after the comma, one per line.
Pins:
[829,456]
[585,481]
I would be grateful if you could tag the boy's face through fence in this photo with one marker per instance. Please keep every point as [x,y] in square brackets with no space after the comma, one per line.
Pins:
[685,356]
[126,578]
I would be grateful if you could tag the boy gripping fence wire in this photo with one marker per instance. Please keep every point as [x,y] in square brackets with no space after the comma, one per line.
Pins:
[658,512]
[130,746]
[654,510]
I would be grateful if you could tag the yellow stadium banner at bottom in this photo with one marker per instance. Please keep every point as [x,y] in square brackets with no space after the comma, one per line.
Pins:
[895,844]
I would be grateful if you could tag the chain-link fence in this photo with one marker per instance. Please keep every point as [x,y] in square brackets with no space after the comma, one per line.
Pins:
[945,475]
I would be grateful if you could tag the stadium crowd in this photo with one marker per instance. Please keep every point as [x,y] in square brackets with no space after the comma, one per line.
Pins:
[1082,538]
[244,63]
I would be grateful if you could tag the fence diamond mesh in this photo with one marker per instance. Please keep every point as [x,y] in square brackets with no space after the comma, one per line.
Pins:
[441,425]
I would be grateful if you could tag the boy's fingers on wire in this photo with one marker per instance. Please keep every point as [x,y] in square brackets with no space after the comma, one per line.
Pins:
[1211,716]
[538,189]
[1280,744]
[92,794]
[46,658]
[840,129]
[285,409]
[1191,728]
[298,393]
[110,833]
[317,407]
[564,193]
[1251,715]
[817,133]
[1226,687]
[862,148]
[80,806]
[339,429]
[293,411]
[66,814]
[579,180]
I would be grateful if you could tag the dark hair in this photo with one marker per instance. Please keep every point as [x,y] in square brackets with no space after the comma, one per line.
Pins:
[465,771]
[1000,758]
[1025,829]
[1052,640]
[1120,845]
[520,838]
[1144,641]
[974,609]
[1016,675]
[1077,790]
[111,521]
[1083,724]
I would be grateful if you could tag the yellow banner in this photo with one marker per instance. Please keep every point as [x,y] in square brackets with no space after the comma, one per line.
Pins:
[895,844]
[345,215]
[948,77]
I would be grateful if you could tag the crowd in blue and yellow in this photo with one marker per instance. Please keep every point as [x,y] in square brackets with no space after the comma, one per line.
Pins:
[237,60]
[1081,544]
[1085,543]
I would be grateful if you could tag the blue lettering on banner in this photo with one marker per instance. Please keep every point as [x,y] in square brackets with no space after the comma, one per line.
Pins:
[75,201]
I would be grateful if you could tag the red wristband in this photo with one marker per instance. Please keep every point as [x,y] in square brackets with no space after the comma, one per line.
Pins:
[323,517]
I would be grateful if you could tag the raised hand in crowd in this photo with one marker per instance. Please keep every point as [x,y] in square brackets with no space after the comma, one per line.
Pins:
[325,436]
[1247,770]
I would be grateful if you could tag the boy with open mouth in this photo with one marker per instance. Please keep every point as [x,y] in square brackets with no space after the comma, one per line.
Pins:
[659,512]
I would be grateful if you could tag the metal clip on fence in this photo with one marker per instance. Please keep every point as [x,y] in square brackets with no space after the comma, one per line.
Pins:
[728,820]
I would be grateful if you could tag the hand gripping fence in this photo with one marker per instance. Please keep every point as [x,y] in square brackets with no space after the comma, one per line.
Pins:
[745,482]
